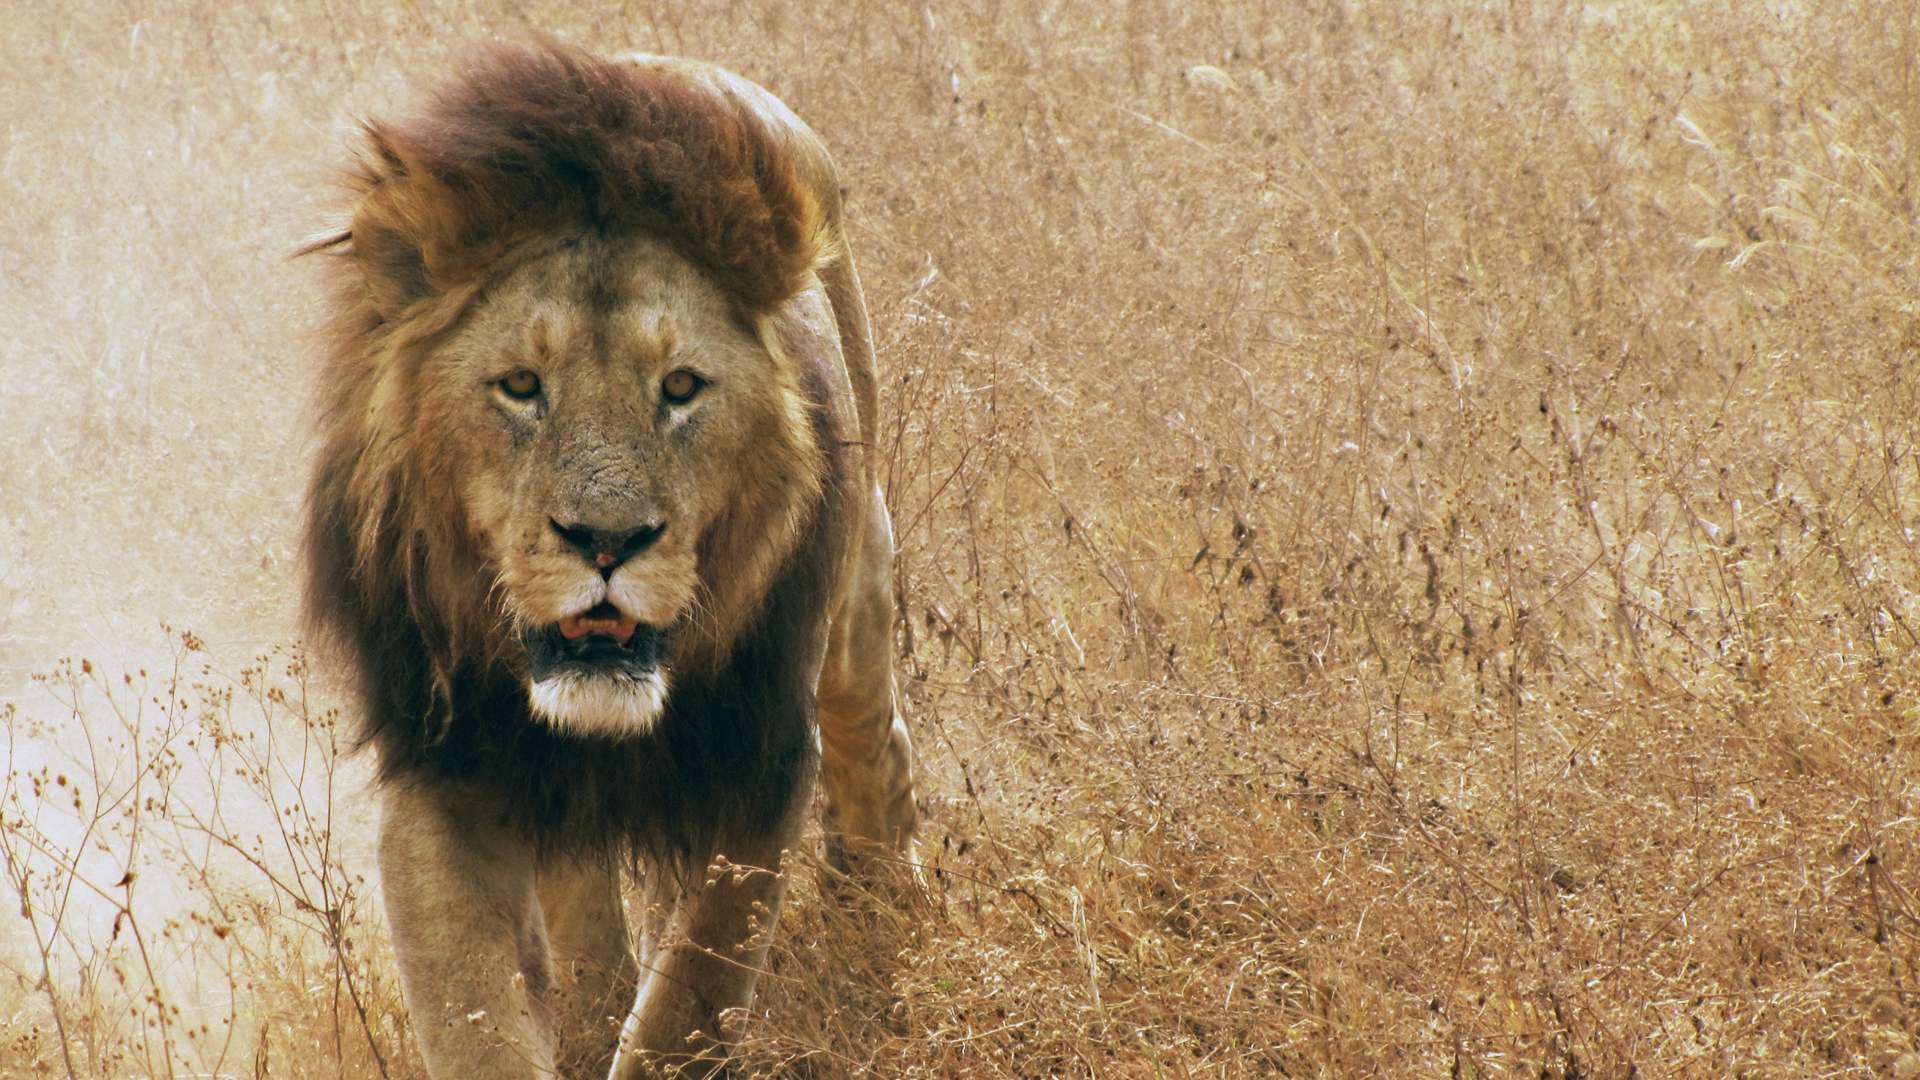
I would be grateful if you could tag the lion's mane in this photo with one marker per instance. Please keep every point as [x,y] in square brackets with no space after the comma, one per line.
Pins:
[535,147]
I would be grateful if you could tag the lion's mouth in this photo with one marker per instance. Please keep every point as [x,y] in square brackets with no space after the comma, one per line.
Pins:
[600,620]
[602,640]
[597,672]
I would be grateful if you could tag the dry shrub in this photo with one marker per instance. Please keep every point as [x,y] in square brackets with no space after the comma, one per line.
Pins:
[188,906]
[1404,546]
[1404,518]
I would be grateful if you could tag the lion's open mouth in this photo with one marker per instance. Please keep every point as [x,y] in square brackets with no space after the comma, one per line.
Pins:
[601,620]
[602,640]
[597,672]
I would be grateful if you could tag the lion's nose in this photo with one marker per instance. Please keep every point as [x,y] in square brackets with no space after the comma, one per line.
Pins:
[606,549]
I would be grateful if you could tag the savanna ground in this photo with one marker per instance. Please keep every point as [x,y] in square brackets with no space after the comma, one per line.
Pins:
[1405,517]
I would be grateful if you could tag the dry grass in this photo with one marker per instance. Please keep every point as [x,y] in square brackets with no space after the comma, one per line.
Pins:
[1405,517]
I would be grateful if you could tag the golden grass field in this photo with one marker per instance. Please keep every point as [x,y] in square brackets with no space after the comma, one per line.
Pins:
[1406,519]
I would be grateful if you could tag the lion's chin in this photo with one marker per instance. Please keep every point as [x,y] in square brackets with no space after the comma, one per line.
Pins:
[614,703]
[596,683]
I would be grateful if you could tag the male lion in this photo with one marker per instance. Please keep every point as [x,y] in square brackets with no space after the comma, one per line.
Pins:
[594,523]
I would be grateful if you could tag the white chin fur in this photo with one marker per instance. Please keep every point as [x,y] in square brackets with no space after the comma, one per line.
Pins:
[600,704]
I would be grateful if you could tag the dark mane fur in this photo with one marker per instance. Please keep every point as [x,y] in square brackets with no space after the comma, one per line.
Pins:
[532,143]
[548,140]
[732,751]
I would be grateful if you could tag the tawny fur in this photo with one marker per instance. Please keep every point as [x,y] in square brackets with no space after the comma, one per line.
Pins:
[599,226]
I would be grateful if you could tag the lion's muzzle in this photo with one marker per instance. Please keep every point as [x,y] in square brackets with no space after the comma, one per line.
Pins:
[597,672]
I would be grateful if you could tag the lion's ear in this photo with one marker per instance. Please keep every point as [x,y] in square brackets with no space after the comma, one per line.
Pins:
[405,228]
[393,266]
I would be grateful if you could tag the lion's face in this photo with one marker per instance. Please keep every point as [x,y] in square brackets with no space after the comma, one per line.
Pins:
[609,426]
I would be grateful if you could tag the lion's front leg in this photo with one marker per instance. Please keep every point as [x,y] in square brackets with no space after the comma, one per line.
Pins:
[595,977]
[468,933]
[706,943]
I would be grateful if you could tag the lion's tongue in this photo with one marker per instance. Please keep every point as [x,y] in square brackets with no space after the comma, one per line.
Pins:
[603,619]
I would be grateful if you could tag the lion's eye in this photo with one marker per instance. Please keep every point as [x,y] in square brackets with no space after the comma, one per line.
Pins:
[680,386]
[521,385]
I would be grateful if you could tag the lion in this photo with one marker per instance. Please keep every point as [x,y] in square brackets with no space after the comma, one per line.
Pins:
[595,528]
